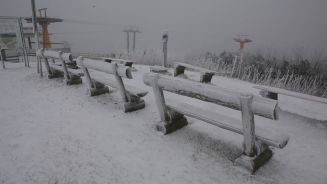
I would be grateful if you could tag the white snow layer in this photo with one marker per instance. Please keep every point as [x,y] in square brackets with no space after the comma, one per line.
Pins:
[53,133]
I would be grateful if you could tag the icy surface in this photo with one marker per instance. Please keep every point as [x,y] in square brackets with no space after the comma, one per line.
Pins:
[53,133]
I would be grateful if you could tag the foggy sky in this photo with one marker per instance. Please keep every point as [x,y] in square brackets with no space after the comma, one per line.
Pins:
[193,25]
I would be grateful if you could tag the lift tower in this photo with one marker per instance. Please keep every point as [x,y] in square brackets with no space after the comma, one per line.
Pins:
[242,39]
[44,21]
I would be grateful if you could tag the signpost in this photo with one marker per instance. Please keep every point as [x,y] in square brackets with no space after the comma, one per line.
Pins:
[164,47]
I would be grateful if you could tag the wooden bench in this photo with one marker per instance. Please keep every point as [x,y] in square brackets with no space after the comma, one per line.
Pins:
[55,71]
[272,93]
[9,55]
[206,75]
[256,141]
[119,61]
[131,96]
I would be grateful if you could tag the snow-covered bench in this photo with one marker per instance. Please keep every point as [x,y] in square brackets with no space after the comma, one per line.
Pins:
[131,96]
[256,140]
[55,70]
[119,61]
[206,75]
[272,93]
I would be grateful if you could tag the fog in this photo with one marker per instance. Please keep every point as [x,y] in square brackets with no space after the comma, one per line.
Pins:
[193,25]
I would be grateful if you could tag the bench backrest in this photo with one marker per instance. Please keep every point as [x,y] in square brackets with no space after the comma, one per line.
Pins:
[55,54]
[109,68]
[292,94]
[214,94]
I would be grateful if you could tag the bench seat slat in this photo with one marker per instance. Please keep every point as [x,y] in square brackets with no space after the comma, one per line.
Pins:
[110,81]
[292,93]
[228,123]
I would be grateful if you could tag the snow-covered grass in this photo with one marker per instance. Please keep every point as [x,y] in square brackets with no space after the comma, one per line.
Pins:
[53,133]
[251,70]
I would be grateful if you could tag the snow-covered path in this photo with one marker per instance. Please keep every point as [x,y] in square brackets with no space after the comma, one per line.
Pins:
[53,133]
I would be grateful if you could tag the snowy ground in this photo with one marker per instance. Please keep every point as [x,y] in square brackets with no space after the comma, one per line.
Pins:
[56,134]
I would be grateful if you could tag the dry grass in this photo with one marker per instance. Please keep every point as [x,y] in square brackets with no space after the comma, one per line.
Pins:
[265,74]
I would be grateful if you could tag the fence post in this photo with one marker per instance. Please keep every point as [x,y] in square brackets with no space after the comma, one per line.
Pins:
[248,125]
[255,153]
[160,99]
[90,82]
[64,67]
[120,83]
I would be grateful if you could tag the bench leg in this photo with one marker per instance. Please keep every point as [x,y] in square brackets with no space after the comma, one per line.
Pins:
[170,121]
[134,103]
[97,89]
[179,70]
[174,122]
[53,73]
[73,79]
[268,94]
[253,163]
[255,154]
[206,78]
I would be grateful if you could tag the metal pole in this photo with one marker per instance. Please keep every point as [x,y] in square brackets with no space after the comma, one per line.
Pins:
[134,33]
[36,37]
[127,34]
[23,42]
[2,58]
[164,48]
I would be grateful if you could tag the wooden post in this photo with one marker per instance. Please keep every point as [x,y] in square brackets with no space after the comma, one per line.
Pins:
[64,67]
[159,98]
[40,55]
[90,82]
[120,83]
[255,153]
[169,120]
[248,125]
[46,64]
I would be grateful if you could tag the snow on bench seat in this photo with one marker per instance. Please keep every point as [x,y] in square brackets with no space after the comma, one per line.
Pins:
[113,77]
[229,123]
